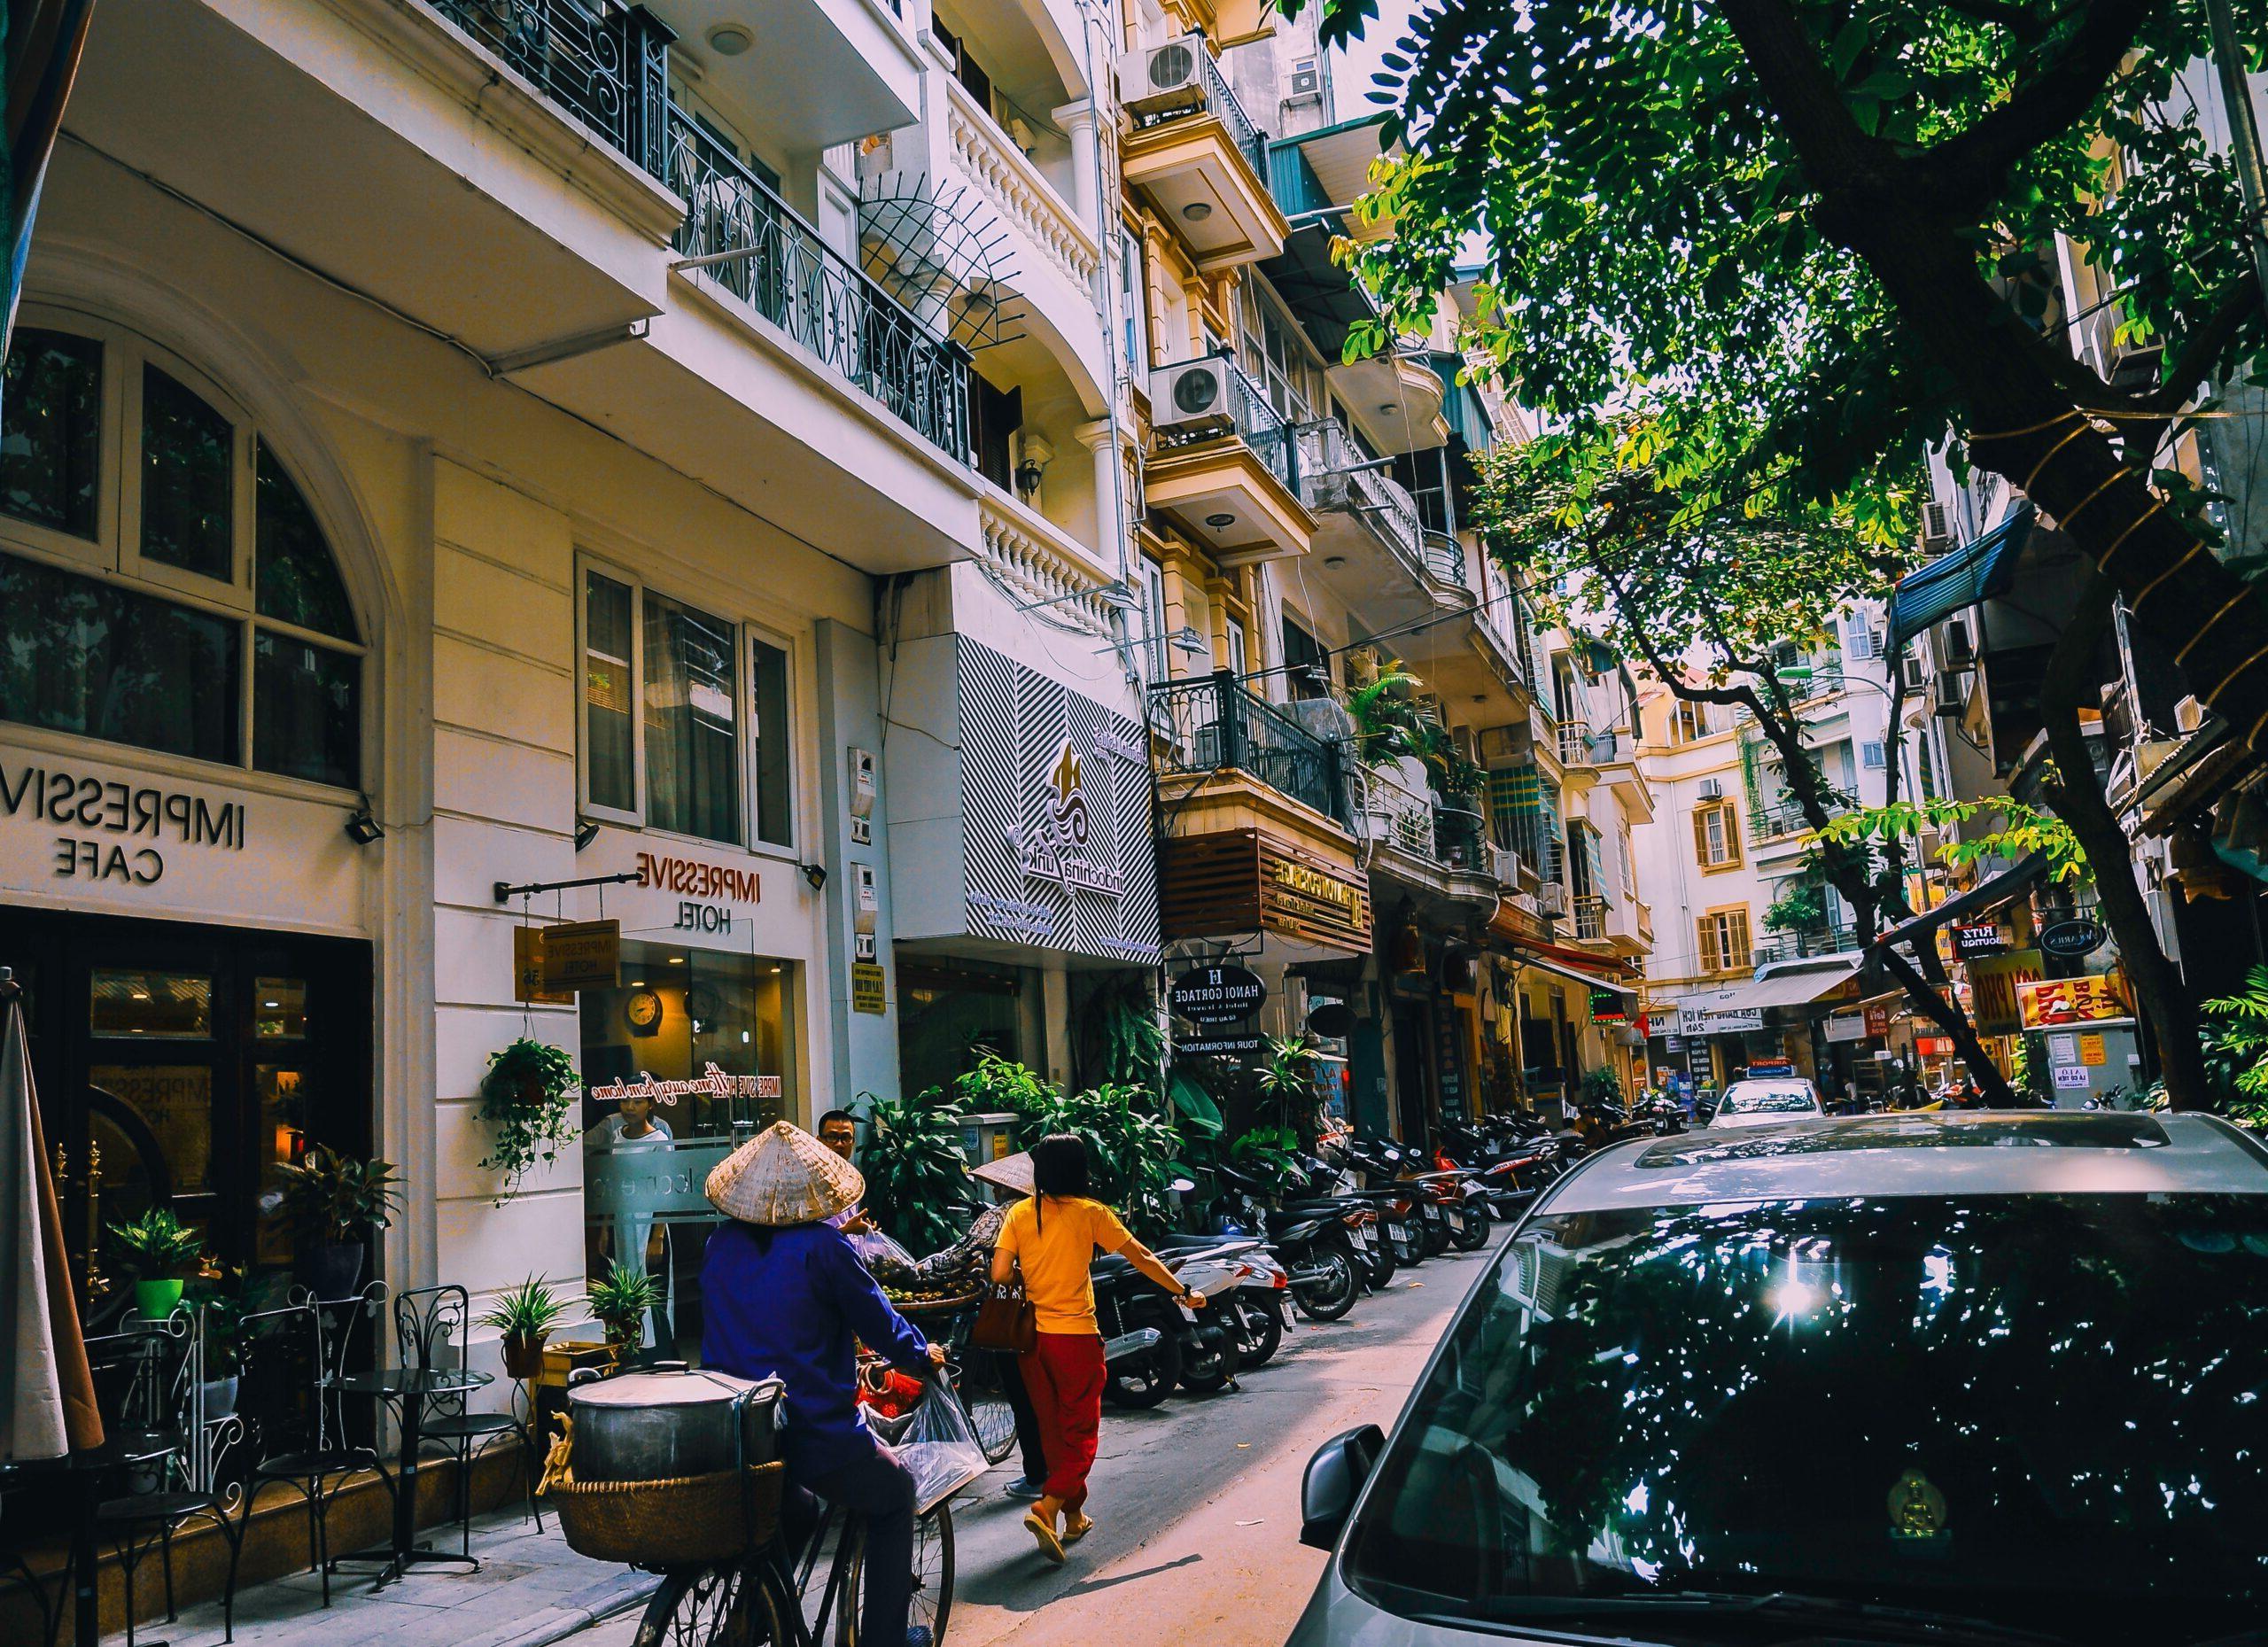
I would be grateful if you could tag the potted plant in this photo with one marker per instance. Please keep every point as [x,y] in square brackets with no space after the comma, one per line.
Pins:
[334,1202]
[528,1097]
[524,1315]
[160,1253]
[620,1301]
[222,1303]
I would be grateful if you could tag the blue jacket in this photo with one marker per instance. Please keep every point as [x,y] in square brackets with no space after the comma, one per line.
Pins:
[786,1304]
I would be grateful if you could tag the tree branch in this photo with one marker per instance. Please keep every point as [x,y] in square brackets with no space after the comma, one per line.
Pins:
[1966,171]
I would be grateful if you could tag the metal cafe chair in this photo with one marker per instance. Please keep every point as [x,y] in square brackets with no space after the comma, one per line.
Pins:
[431,1324]
[294,1416]
[142,1386]
[15,1572]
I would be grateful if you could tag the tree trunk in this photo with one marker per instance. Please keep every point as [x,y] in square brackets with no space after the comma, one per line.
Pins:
[2160,994]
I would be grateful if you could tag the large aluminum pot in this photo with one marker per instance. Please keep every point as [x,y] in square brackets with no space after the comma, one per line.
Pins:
[649,1427]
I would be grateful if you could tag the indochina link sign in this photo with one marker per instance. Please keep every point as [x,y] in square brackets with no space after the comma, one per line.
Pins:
[106,830]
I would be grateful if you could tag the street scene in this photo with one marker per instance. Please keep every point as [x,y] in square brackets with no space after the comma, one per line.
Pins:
[1265,822]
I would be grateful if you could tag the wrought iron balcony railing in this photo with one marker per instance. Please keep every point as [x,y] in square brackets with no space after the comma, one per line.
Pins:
[1590,918]
[1574,743]
[604,64]
[1825,940]
[813,294]
[1215,723]
[1262,428]
[1334,475]
[1216,98]
[1459,838]
[1445,559]
[1773,823]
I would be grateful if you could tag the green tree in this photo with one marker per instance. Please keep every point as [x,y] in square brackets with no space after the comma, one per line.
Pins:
[1819,233]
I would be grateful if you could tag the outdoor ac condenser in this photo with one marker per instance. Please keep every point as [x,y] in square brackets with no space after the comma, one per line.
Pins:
[1193,394]
[1552,898]
[1152,80]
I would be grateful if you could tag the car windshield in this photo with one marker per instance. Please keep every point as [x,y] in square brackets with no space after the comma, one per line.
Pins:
[1756,1100]
[2043,1411]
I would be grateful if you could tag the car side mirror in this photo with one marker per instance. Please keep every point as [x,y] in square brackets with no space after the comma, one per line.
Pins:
[1334,1480]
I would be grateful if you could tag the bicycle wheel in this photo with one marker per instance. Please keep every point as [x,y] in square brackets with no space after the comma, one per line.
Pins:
[990,1415]
[932,1599]
[712,1606]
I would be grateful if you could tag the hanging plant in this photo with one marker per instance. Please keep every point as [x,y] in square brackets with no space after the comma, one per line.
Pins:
[528,1097]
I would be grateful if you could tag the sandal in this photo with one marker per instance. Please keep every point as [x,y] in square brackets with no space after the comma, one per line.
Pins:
[1076,1530]
[1050,1544]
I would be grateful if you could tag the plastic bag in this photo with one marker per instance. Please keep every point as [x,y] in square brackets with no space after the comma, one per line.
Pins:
[939,1447]
[885,1260]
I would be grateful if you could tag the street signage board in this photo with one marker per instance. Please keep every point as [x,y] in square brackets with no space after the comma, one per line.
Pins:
[1218,995]
[527,970]
[1878,1020]
[582,955]
[1610,1007]
[1845,1027]
[2073,937]
[866,992]
[2070,1001]
[1993,980]
[2068,1076]
[1218,1046]
[1726,1021]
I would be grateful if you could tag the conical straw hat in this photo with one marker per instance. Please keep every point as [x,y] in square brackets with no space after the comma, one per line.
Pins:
[1010,1172]
[784,1175]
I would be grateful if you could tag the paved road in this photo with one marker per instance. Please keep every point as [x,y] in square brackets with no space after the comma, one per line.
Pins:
[1196,1504]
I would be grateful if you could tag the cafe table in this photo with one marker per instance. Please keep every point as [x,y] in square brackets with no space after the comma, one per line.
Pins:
[408,1389]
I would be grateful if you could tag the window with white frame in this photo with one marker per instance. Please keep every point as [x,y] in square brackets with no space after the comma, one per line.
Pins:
[687,717]
[165,582]
[1152,578]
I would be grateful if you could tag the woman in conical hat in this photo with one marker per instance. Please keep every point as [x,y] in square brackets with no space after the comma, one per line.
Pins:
[787,1298]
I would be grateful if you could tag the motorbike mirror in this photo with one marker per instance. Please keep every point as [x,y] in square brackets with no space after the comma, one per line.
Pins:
[1334,1480]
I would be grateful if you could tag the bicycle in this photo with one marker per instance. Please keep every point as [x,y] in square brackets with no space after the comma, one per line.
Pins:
[765,1600]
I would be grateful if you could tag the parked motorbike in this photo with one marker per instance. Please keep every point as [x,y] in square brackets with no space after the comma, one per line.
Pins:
[1313,1239]
[1141,1335]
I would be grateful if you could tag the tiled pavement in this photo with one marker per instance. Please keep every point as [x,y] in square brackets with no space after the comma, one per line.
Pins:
[531,1590]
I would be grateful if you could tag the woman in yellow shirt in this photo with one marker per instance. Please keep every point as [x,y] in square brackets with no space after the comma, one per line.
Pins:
[1052,1238]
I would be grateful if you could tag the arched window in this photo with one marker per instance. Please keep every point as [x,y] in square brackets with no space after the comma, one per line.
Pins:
[163,582]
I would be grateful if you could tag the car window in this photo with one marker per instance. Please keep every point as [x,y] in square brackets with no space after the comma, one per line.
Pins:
[1749,1100]
[2044,1411]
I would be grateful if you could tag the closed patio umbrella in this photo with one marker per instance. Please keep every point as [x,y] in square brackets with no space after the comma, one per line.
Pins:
[47,1395]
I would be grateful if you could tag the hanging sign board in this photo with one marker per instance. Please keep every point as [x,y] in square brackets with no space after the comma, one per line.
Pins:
[1218,995]
[527,970]
[1993,980]
[1218,1046]
[1610,1007]
[1878,1021]
[582,955]
[1981,938]
[1845,1027]
[2073,937]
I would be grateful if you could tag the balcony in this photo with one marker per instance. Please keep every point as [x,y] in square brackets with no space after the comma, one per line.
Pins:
[777,264]
[1231,480]
[1208,727]
[1838,939]
[1434,847]
[1589,918]
[1575,750]
[1372,546]
[1196,153]
[1783,825]
[1625,924]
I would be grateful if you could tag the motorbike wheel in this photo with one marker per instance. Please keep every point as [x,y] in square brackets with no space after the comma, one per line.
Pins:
[1214,1368]
[1433,1238]
[1332,1295]
[1378,1264]
[1144,1380]
[1476,1231]
[1260,1335]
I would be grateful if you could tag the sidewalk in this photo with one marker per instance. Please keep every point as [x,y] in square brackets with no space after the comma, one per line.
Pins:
[531,1590]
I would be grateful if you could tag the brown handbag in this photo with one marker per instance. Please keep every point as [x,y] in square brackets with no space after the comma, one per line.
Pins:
[1005,1320]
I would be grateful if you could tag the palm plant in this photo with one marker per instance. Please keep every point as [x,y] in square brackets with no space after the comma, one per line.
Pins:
[620,1299]
[2236,1034]
[914,1166]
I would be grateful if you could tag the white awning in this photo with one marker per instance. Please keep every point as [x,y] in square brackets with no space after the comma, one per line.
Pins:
[1743,1006]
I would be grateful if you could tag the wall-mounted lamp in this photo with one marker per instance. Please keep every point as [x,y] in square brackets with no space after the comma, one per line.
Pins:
[585,832]
[816,873]
[1186,640]
[362,828]
[1038,455]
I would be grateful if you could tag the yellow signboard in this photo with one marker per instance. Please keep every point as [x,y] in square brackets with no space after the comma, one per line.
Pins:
[527,970]
[865,987]
[2091,1050]
[582,955]
[2054,1001]
[1994,983]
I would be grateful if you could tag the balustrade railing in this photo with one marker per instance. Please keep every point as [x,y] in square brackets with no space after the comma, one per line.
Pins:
[606,65]
[1262,428]
[1574,743]
[1771,823]
[802,285]
[1215,723]
[1836,939]
[1040,564]
[1015,188]
[1590,918]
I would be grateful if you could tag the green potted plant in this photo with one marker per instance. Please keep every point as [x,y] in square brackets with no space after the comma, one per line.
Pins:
[334,1202]
[527,1098]
[160,1253]
[620,1301]
[222,1303]
[524,1315]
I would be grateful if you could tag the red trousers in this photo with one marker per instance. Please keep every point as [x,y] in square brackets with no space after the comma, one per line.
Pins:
[1064,1374]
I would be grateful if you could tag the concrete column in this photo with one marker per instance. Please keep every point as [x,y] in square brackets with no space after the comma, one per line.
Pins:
[1077,121]
[865,1044]
[1055,1024]
[1110,487]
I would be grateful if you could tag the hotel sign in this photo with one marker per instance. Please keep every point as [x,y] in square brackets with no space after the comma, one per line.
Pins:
[1235,880]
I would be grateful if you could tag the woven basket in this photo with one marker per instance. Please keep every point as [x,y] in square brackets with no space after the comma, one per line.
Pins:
[676,1522]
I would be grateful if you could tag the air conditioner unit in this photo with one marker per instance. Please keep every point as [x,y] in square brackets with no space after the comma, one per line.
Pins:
[1504,864]
[1916,672]
[1307,79]
[2188,715]
[1154,80]
[1193,394]
[1960,651]
[1937,527]
[1713,789]
[1551,897]
[1949,694]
